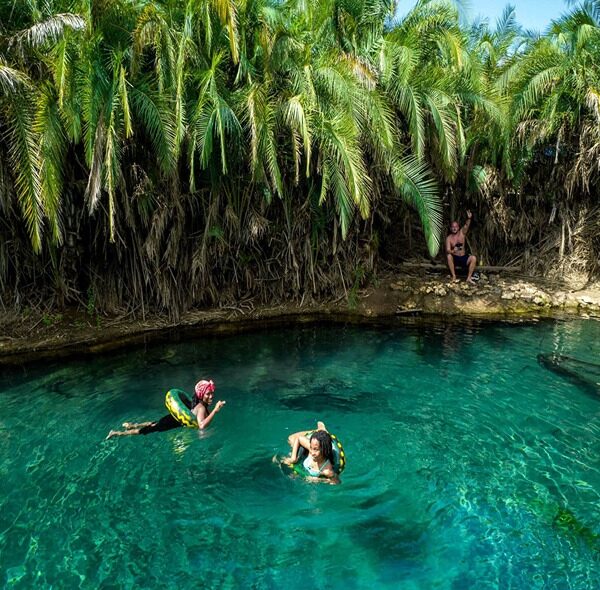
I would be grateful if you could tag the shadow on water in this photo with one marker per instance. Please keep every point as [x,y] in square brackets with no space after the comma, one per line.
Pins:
[313,401]
[400,542]
[334,394]
[582,373]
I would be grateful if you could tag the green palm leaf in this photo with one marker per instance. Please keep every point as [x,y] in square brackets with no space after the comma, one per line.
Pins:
[53,146]
[24,154]
[417,187]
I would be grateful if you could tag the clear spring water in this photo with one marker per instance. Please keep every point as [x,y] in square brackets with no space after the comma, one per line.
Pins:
[469,464]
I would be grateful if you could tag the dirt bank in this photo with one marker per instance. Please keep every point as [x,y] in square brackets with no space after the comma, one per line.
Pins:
[31,336]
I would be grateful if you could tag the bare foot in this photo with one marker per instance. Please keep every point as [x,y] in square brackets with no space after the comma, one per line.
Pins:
[128,425]
[111,434]
[471,281]
[287,461]
[321,426]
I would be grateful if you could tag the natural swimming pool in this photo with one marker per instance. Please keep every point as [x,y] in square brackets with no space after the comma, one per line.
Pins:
[470,465]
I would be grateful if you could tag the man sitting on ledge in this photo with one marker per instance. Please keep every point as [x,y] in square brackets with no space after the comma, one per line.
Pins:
[456,255]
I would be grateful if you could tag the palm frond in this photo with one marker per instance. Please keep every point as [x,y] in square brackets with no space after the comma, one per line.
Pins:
[112,162]
[153,31]
[268,148]
[227,128]
[155,114]
[445,128]
[12,80]
[297,119]
[417,187]
[50,30]
[539,85]
[409,103]
[24,154]
[53,146]
[124,102]
[95,160]
[344,203]
[339,142]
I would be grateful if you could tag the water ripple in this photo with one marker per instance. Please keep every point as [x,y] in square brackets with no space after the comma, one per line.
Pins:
[470,465]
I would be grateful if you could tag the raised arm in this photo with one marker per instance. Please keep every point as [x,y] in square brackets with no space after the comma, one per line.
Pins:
[204,418]
[467,225]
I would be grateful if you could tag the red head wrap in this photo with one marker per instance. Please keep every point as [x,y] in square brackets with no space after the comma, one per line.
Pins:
[203,387]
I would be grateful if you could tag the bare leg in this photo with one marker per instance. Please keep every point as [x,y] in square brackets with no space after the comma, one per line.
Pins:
[129,432]
[293,437]
[472,262]
[136,425]
[450,262]
[131,429]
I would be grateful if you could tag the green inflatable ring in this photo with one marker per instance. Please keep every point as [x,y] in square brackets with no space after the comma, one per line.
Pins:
[178,409]
[339,456]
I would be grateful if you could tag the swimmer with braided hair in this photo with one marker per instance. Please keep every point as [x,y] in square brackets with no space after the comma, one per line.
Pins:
[319,462]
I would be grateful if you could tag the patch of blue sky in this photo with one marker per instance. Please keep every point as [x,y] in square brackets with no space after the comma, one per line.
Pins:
[532,15]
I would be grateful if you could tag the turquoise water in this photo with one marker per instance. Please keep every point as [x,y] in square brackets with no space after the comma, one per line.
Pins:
[469,464]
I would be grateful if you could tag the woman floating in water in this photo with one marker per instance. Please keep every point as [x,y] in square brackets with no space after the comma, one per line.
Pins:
[318,449]
[199,406]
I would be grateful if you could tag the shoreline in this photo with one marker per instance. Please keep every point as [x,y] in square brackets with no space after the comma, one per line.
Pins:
[392,299]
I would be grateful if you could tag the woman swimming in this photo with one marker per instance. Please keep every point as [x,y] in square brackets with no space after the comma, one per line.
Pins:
[199,406]
[319,462]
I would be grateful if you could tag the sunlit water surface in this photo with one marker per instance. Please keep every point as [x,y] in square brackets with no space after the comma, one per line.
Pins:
[469,464]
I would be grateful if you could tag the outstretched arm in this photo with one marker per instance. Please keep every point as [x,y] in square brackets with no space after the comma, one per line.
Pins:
[467,225]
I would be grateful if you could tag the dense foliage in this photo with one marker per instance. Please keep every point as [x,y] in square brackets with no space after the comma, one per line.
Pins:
[157,155]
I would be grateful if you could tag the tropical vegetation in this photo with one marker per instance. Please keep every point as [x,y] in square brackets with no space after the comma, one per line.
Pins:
[161,155]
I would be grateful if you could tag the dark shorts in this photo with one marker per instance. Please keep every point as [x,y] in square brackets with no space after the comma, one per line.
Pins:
[462,261]
[166,422]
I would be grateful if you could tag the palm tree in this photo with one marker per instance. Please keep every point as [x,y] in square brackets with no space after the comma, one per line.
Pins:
[552,83]
[320,94]
[35,151]
[555,83]
[238,147]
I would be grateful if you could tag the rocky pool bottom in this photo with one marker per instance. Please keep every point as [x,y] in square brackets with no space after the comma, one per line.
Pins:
[471,464]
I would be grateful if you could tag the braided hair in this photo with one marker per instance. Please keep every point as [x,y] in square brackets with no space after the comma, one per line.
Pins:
[325,444]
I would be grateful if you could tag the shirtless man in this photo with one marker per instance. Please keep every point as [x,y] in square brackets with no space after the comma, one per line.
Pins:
[455,249]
